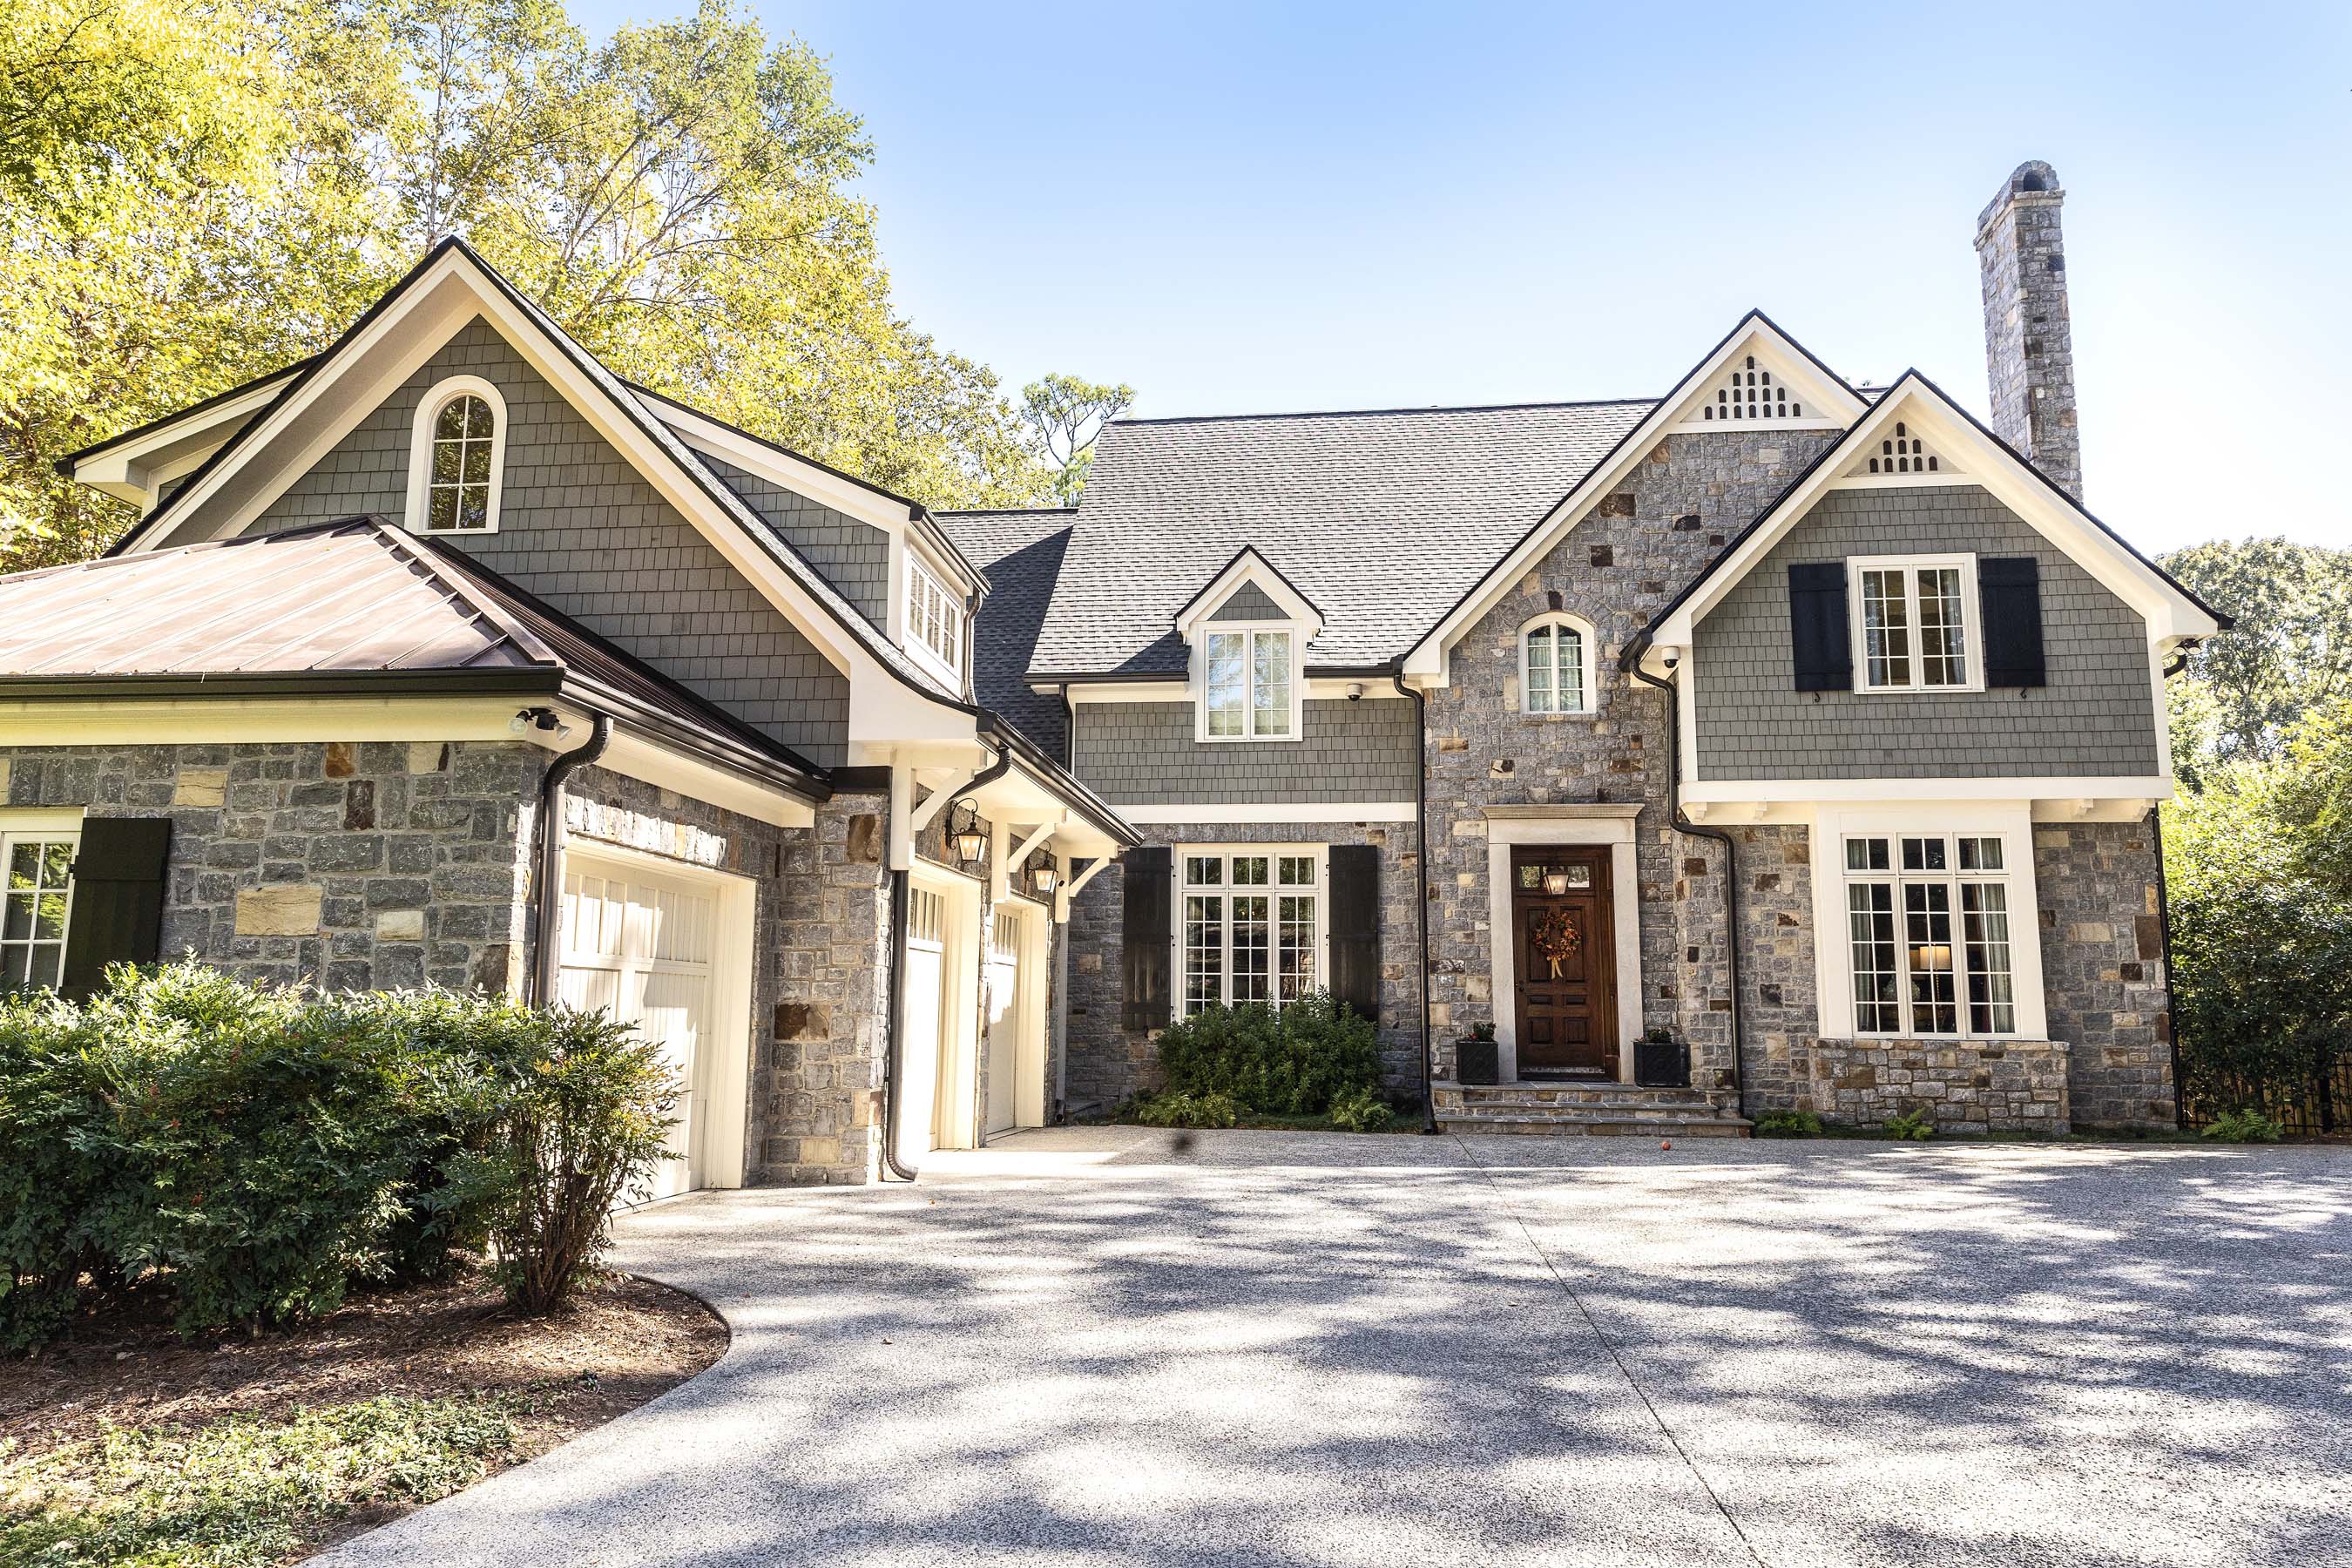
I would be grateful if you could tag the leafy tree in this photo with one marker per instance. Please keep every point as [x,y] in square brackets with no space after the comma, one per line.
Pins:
[2290,653]
[192,194]
[1065,414]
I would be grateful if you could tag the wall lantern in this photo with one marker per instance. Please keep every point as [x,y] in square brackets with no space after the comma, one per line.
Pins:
[1555,882]
[971,842]
[1044,877]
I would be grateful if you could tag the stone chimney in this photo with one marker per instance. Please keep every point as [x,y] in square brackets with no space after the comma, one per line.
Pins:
[2029,347]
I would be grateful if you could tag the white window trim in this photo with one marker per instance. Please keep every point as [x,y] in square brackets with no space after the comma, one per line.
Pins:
[50,826]
[2009,821]
[919,572]
[1971,620]
[1252,629]
[1589,674]
[1180,886]
[420,453]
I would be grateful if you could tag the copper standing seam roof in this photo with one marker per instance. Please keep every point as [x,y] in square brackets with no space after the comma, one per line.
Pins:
[351,603]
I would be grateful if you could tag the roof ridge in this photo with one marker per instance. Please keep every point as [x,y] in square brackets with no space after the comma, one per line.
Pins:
[1372,413]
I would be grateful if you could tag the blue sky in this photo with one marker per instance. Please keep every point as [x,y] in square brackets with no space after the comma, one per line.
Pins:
[1251,208]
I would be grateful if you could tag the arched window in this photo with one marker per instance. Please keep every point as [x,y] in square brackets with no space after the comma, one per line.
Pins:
[460,448]
[1556,666]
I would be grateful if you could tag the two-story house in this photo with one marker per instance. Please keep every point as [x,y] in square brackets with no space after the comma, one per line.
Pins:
[1816,727]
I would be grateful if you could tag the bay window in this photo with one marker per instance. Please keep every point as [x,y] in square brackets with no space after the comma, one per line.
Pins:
[1250,926]
[1912,623]
[1927,932]
[1249,688]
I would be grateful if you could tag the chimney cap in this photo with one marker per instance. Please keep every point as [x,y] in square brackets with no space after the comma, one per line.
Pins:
[2031,178]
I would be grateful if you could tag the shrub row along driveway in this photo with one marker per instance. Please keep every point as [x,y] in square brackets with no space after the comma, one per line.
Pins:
[1091,1346]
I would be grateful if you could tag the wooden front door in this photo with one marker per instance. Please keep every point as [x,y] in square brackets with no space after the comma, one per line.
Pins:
[1565,962]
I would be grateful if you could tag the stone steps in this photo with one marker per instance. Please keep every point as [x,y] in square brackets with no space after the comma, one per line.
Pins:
[1585,1110]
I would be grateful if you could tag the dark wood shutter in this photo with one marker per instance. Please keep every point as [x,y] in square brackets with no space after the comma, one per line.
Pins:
[118,897]
[2011,587]
[1819,632]
[1144,956]
[1354,921]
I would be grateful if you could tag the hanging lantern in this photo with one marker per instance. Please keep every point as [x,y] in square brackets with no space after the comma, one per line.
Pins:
[1555,881]
[970,843]
[1044,877]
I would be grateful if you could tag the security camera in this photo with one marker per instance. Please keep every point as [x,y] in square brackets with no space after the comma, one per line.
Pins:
[1355,691]
[1672,660]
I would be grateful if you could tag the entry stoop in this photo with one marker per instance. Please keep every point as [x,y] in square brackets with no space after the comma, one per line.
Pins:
[1585,1110]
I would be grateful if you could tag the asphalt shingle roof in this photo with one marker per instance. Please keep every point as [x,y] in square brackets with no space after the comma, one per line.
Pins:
[1022,554]
[1384,520]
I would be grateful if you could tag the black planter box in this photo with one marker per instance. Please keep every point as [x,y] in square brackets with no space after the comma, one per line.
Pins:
[1662,1064]
[1477,1061]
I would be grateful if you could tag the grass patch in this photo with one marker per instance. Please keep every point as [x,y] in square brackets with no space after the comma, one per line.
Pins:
[247,1492]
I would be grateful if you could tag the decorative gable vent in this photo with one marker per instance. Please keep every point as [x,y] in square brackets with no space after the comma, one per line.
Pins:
[1898,453]
[1750,393]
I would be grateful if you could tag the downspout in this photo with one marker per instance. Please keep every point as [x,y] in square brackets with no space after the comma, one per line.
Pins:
[1730,858]
[1421,878]
[550,854]
[2164,916]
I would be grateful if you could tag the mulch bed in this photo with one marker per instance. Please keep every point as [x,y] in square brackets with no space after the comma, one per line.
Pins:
[611,1350]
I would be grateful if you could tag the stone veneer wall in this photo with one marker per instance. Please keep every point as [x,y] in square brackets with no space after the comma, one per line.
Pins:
[2103,970]
[1105,1062]
[1616,569]
[347,865]
[2015,1086]
[819,1086]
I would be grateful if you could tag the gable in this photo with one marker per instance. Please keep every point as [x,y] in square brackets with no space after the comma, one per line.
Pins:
[1248,602]
[581,529]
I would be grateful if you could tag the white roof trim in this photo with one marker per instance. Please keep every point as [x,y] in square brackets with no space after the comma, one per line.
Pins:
[1755,334]
[136,470]
[1249,566]
[2170,615]
[795,473]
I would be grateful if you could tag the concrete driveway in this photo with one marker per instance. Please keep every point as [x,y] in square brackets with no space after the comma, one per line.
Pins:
[1091,1346]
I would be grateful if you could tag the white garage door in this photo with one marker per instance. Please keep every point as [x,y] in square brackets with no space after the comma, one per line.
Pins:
[919,1051]
[642,947]
[1003,1020]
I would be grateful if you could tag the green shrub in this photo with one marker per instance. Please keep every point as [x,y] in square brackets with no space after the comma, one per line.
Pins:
[2244,1125]
[1912,1126]
[1294,1062]
[1185,1110]
[257,1150]
[1788,1124]
[1360,1110]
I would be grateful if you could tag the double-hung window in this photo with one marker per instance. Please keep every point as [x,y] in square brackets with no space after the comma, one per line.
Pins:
[1927,931]
[1251,927]
[934,618]
[38,899]
[1248,685]
[1912,622]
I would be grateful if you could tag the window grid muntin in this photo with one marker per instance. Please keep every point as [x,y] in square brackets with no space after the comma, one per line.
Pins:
[1911,623]
[35,907]
[457,491]
[934,616]
[1929,946]
[1252,927]
[1249,681]
[1551,668]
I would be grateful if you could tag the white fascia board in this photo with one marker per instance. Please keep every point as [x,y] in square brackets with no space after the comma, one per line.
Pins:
[796,474]
[644,759]
[1275,811]
[226,720]
[1249,566]
[2169,613]
[1727,792]
[1427,658]
[1320,688]
[134,471]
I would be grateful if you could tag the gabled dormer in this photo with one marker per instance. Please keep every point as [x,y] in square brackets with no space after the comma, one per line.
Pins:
[1245,635]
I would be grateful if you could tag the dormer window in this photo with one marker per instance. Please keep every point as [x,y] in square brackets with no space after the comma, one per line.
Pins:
[934,618]
[457,458]
[1251,685]
[1556,674]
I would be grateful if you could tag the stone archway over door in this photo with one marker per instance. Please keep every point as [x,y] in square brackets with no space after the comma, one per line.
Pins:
[654,947]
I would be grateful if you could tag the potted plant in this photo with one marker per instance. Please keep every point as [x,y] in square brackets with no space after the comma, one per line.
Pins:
[1661,1061]
[1475,1060]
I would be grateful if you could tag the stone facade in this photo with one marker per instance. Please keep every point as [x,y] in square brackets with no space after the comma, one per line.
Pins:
[344,865]
[1105,1062]
[2016,1086]
[2103,969]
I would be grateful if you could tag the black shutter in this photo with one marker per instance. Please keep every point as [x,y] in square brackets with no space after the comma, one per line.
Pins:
[1818,626]
[2011,590]
[118,897]
[1144,956]
[1355,924]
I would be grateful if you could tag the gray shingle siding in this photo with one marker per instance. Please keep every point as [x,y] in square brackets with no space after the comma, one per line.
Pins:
[580,528]
[1143,753]
[855,556]
[2095,717]
[1248,602]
